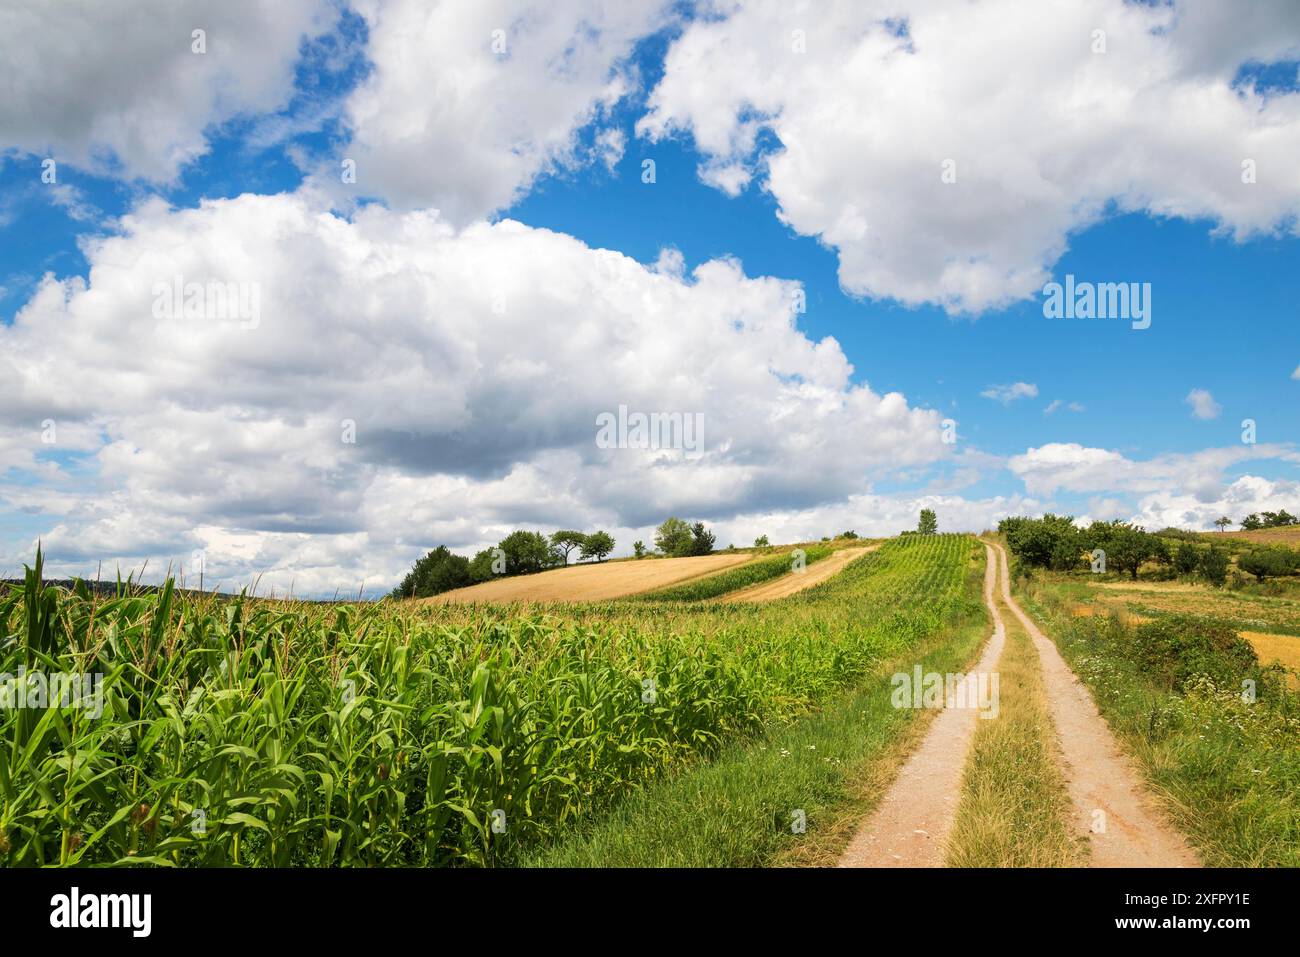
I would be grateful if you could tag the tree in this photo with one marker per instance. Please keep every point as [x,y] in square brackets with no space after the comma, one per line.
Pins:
[527,552]
[638,547]
[566,540]
[1052,541]
[484,565]
[928,523]
[673,537]
[1186,559]
[1251,522]
[597,545]
[436,572]
[701,540]
[1265,563]
[1214,566]
[1126,546]
[761,542]
[1223,522]
[1277,519]
[849,534]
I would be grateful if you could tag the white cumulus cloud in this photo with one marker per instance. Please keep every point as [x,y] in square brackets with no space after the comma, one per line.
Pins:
[949,150]
[470,364]
[467,103]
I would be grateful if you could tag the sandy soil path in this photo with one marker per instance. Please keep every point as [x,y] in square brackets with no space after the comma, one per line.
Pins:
[910,828]
[595,582]
[1129,830]
[792,583]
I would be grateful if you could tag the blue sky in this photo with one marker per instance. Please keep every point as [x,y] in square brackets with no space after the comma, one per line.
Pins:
[1120,440]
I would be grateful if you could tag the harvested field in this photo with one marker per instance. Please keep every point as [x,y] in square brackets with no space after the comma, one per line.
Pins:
[789,584]
[594,582]
[1276,649]
[1285,535]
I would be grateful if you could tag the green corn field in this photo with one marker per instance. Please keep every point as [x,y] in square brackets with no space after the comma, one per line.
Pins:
[247,732]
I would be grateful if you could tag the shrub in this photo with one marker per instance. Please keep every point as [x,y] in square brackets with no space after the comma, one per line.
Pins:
[1172,650]
[1213,566]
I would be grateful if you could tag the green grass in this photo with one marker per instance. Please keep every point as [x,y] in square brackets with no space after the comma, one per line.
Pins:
[388,734]
[734,579]
[1229,770]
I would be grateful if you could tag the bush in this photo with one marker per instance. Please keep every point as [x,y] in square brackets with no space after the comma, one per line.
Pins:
[1213,566]
[1174,649]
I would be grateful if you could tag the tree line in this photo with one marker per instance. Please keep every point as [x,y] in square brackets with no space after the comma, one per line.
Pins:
[1055,542]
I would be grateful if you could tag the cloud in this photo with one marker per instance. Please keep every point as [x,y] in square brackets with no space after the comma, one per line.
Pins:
[1068,466]
[1249,493]
[1296,374]
[119,89]
[468,103]
[470,364]
[1006,394]
[943,174]
[1203,404]
[1057,404]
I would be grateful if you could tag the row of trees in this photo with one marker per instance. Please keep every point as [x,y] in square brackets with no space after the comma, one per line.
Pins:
[1280,519]
[1257,520]
[519,553]
[1055,542]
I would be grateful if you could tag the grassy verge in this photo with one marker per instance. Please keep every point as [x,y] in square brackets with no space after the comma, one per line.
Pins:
[1014,808]
[1228,769]
[831,765]
[734,579]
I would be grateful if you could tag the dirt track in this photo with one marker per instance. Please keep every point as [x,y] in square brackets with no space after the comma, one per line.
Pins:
[793,583]
[594,582]
[1112,807]
[910,828]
